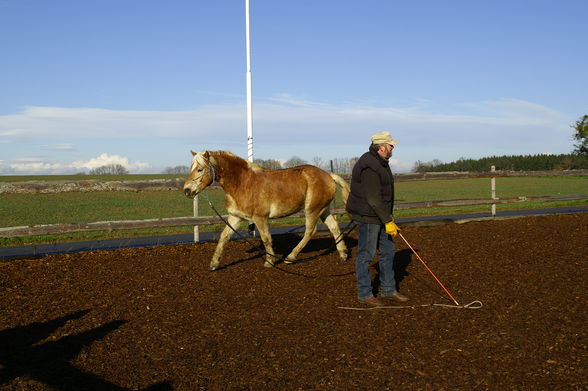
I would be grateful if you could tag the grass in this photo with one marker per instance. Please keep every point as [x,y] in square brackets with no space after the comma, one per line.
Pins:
[479,188]
[506,187]
[36,209]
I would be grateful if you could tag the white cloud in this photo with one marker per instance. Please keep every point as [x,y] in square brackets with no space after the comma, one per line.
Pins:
[286,126]
[105,159]
[37,166]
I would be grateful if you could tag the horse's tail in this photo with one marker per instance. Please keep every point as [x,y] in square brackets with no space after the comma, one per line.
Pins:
[344,186]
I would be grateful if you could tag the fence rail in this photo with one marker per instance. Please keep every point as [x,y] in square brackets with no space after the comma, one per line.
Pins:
[63,228]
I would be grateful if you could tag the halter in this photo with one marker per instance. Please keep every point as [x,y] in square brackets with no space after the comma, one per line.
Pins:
[210,170]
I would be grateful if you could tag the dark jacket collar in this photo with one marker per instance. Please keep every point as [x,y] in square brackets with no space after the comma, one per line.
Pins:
[374,152]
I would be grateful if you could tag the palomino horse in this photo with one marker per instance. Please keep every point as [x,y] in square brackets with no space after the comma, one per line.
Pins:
[257,194]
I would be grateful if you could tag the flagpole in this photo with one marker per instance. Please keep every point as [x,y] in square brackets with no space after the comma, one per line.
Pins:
[251,226]
[249,97]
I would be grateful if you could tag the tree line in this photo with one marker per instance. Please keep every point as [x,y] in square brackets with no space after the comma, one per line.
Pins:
[574,161]
[338,165]
[509,163]
[540,162]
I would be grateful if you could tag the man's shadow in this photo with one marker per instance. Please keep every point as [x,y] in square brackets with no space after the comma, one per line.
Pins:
[26,352]
[402,259]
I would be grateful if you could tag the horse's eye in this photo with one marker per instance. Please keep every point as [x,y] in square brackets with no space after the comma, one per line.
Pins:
[200,169]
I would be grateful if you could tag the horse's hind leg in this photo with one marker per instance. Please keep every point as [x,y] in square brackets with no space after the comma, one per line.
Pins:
[333,226]
[233,221]
[309,231]
[263,228]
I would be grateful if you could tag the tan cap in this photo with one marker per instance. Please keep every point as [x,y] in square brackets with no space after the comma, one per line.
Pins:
[383,138]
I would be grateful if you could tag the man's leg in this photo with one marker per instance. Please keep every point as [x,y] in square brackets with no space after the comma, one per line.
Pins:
[367,242]
[386,263]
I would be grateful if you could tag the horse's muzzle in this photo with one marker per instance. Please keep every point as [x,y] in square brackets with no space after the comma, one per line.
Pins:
[188,192]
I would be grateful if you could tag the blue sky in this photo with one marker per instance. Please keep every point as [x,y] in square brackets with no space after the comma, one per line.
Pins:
[141,83]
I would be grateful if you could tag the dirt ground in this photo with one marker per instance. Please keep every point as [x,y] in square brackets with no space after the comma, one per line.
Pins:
[156,318]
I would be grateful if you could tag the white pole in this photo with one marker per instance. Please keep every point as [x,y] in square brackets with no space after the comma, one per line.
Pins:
[196,214]
[493,190]
[249,98]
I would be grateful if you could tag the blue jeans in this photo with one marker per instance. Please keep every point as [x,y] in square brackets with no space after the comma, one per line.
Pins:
[372,237]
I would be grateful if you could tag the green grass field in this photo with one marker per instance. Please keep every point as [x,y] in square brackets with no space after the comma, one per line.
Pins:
[35,209]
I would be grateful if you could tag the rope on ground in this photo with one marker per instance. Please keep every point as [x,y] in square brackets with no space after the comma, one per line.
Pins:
[474,305]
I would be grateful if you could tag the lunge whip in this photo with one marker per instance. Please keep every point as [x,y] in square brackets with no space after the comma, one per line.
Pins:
[430,271]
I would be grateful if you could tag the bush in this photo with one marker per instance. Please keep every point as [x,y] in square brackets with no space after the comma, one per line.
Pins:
[109,169]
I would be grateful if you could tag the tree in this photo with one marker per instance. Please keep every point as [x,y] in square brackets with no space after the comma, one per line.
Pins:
[109,169]
[180,170]
[317,161]
[294,161]
[343,165]
[270,164]
[426,166]
[581,135]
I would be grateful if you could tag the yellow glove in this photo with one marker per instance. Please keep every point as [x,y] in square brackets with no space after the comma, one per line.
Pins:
[392,228]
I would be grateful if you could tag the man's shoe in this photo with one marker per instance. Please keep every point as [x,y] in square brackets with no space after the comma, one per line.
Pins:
[371,301]
[398,297]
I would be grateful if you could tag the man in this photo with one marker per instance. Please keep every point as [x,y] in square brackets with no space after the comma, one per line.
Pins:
[371,204]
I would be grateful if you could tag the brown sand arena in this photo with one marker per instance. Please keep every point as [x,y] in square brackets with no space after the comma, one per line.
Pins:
[157,318]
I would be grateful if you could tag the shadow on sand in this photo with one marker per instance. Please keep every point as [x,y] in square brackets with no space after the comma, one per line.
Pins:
[24,353]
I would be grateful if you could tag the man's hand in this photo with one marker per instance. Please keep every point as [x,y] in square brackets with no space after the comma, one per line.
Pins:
[392,228]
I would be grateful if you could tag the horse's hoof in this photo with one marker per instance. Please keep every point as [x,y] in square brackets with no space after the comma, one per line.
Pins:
[344,259]
[268,264]
[289,261]
[213,268]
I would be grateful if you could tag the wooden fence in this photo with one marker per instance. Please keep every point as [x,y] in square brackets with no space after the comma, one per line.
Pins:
[53,229]
[196,221]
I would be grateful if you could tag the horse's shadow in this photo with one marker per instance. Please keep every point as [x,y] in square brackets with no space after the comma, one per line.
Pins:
[283,244]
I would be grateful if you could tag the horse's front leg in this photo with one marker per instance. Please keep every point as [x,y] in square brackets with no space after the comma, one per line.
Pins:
[233,223]
[263,227]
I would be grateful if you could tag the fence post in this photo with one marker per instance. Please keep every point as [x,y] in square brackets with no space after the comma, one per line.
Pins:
[196,228]
[493,190]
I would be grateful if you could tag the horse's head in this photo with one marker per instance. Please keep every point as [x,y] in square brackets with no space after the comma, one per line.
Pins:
[201,173]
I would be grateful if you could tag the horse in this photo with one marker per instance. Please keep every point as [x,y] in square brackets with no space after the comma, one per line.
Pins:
[257,194]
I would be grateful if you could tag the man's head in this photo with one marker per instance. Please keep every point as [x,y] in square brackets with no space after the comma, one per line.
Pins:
[385,143]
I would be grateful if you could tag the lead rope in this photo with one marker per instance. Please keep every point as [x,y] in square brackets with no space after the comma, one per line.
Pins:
[474,305]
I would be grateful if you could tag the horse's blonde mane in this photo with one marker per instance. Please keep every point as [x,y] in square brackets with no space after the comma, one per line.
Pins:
[255,167]
[252,166]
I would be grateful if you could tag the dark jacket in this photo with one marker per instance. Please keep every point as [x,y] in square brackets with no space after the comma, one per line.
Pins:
[371,199]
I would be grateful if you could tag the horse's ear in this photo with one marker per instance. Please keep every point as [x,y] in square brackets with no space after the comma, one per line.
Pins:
[206,155]
[193,153]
